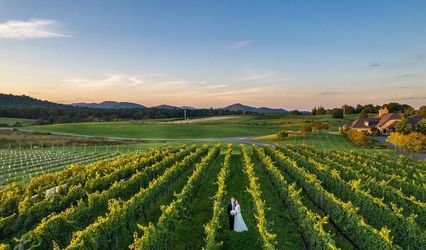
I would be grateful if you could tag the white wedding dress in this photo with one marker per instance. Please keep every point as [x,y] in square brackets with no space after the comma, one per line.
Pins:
[239,224]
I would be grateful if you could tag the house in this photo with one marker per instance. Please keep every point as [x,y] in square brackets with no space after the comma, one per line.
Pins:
[384,123]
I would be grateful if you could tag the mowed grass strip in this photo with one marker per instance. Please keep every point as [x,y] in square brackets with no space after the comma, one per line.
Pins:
[189,232]
[237,188]
[159,131]
[281,223]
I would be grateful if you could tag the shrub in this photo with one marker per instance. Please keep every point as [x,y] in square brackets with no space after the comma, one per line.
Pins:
[306,129]
[421,126]
[318,126]
[374,130]
[413,142]
[357,137]
[282,134]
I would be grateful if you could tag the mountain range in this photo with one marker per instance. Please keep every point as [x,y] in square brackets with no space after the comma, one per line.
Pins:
[108,105]
[261,110]
[15,100]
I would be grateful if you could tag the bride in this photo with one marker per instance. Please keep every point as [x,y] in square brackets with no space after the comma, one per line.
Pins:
[239,225]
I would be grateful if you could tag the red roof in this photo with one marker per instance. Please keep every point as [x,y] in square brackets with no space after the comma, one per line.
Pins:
[387,117]
[373,122]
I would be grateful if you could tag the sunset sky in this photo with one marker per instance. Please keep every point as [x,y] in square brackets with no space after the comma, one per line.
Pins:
[289,54]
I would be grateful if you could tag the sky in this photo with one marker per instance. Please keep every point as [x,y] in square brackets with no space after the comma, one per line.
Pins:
[288,54]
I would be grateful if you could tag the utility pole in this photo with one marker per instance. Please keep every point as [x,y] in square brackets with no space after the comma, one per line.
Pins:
[184,115]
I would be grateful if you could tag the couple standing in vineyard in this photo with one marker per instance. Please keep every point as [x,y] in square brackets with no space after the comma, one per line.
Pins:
[236,221]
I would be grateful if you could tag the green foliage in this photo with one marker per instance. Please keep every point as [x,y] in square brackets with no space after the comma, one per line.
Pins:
[59,227]
[363,114]
[32,211]
[345,214]
[158,236]
[422,111]
[378,214]
[376,200]
[357,137]
[318,111]
[295,112]
[403,126]
[337,113]
[374,131]
[311,223]
[319,125]
[412,142]
[421,126]
[212,227]
[305,129]
[268,238]
[282,135]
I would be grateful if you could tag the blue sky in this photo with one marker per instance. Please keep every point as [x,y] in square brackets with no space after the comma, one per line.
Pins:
[290,54]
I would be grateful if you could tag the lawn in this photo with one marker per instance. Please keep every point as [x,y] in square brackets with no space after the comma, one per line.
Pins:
[239,126]
[15,122]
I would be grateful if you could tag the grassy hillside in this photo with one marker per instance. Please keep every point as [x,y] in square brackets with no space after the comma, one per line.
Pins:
[10,122]
[239,126]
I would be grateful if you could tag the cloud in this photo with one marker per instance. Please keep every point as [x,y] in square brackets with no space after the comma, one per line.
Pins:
[406,76]
[375,65]
[257,76]
[32,29]
[328,93]
[240,44]
[205,85]
[412,98]
[108,81]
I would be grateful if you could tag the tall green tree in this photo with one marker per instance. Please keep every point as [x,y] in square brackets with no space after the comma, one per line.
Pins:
[422,111]
[337,113]
[363,114]
[421,126]
[403,126]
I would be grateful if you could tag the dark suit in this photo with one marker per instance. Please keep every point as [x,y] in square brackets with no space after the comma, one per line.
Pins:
[231,217]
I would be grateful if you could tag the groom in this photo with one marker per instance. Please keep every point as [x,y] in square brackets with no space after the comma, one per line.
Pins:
[231,207]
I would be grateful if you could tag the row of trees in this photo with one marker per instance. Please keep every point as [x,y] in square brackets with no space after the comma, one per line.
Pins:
[65,114]
[392,107]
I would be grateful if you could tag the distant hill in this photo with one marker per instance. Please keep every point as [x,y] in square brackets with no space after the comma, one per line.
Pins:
[165,106]
[109,105]
[261,110]
[23,100]
[187,107]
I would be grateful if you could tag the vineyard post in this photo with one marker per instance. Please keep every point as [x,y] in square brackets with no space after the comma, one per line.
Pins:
[95,148]
[73,148]
[52,145]
[63,148]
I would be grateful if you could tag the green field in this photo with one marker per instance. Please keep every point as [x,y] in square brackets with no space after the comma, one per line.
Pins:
[15,122]
[242,126]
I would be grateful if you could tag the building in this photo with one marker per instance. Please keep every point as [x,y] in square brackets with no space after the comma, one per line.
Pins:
[384,123]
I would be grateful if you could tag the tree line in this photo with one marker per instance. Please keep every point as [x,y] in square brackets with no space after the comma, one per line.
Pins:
[65,114]
[363,110]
